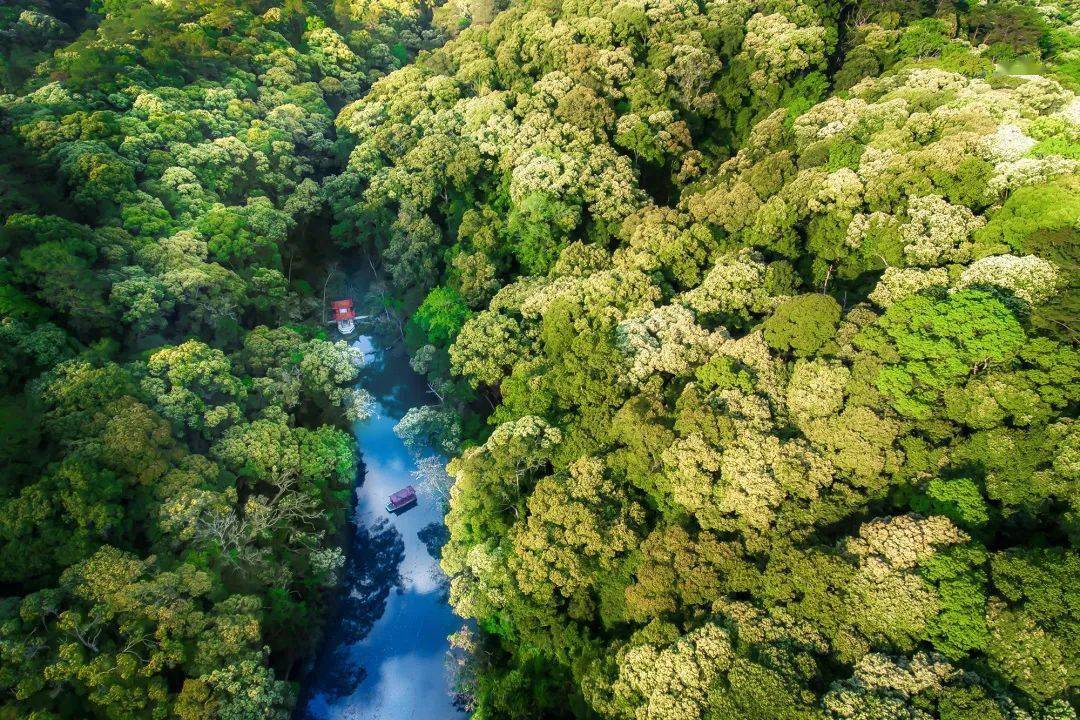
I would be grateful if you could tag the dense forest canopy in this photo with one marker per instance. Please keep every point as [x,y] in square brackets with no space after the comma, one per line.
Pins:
[175,465]
[770,307]
[750,325]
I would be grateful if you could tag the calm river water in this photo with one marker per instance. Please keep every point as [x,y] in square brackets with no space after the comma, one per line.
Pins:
[384,656]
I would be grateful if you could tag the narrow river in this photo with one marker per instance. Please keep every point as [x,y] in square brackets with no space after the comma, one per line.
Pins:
[384,655]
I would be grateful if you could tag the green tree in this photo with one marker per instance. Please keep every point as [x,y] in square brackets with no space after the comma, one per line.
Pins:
[802,325]
[938,343]
[440,317]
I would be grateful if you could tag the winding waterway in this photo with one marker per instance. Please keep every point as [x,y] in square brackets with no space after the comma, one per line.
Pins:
[384,654]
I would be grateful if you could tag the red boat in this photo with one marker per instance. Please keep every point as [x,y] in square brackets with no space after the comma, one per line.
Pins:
[403,498]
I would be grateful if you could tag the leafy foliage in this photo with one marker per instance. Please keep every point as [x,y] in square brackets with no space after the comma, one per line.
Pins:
[771,304]
[176,474]
[768,307]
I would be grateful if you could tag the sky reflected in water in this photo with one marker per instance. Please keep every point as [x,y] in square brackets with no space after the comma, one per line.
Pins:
[384,656]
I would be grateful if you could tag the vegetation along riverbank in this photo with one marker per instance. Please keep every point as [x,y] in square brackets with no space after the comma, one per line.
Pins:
[748,326]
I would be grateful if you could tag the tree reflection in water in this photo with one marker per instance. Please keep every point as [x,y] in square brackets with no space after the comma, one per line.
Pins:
[371,570]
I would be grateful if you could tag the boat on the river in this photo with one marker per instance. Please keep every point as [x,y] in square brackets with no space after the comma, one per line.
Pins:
[403,498]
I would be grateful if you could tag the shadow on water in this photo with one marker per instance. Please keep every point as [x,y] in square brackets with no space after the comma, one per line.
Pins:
[434,536]
[371,570]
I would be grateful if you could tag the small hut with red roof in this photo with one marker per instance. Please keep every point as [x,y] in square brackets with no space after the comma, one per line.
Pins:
[344,315]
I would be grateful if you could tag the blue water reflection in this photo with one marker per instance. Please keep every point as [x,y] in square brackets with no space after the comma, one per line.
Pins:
[385,655]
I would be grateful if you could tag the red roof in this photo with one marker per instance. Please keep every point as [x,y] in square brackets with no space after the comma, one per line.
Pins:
[343,309]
